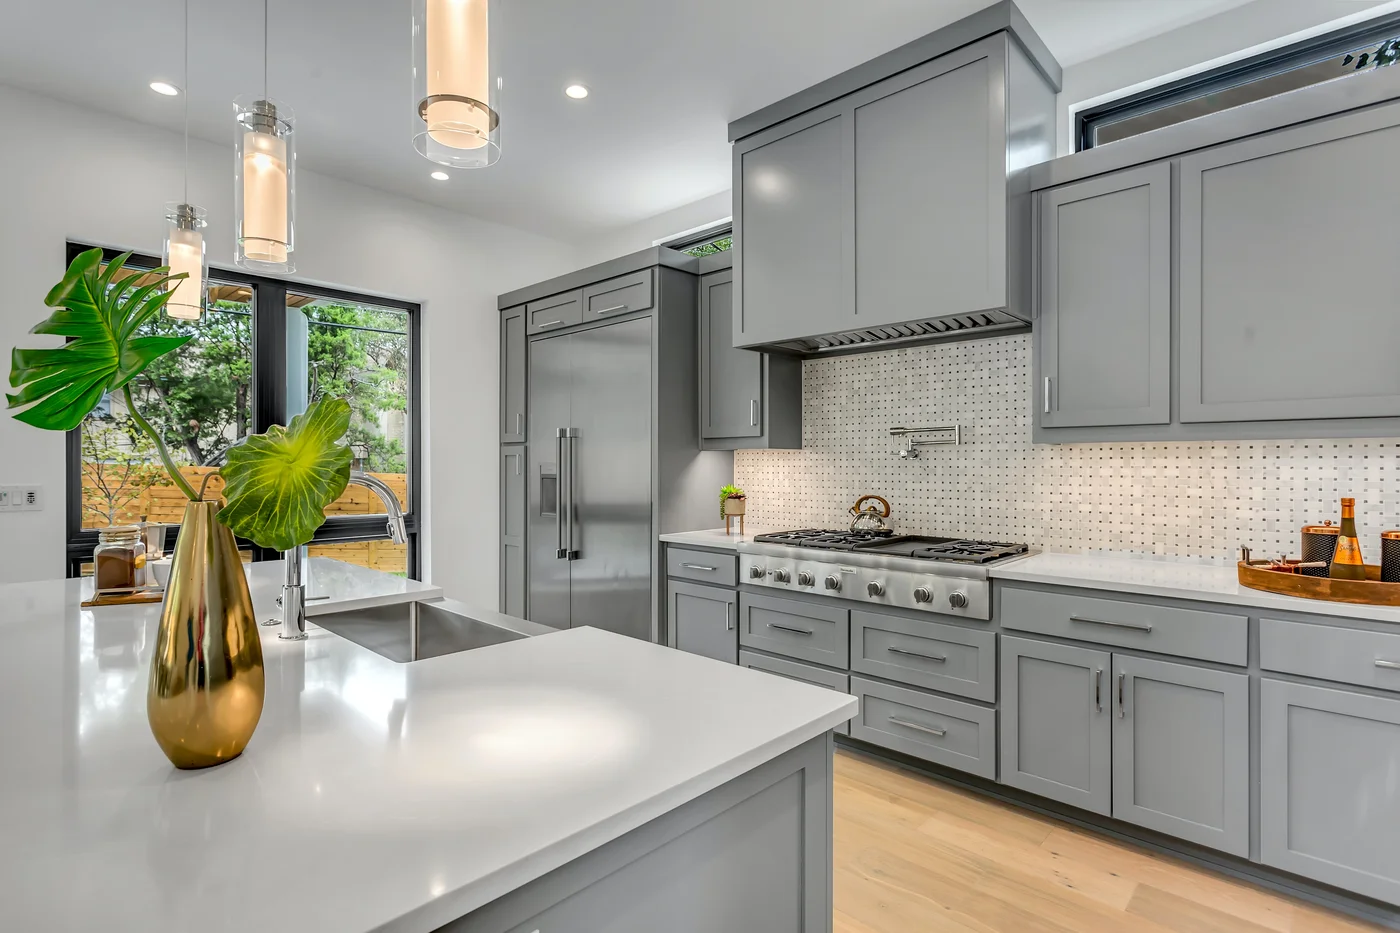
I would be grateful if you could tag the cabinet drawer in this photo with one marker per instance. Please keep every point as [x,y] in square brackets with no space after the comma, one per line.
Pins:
[806,673]
[622,295]
[702,566]
[807,631]
[947,732]
[925,654]
[1367,659]
[1185,633]
[554,312]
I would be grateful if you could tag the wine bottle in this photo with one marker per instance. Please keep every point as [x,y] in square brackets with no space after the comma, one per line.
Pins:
[1347,563]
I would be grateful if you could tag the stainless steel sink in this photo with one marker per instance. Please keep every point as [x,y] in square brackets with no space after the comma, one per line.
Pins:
[427,628]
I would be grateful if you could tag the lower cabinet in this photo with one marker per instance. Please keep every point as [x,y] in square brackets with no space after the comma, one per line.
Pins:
[1162,745]
[512,597]
[946,732]
[1328,807]
[703,620]
[807,631]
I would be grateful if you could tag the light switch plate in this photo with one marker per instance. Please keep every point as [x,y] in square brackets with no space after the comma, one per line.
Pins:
[7,498]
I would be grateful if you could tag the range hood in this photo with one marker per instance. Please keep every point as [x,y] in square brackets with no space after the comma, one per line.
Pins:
[927,330]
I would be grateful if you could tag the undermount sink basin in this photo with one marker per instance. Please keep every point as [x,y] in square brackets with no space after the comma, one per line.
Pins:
[425,629]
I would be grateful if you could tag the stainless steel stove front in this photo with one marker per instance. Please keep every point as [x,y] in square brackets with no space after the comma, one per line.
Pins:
[951,589]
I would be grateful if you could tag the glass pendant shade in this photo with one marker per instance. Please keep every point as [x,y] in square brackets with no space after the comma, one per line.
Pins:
[184,253]
[264,185]
[456,85]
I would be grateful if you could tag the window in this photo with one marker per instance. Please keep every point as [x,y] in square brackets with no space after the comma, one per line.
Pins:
[1312,61]
[706,241]
[264,349]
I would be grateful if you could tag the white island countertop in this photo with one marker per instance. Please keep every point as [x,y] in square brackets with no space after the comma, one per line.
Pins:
[1177,578]
[374,795]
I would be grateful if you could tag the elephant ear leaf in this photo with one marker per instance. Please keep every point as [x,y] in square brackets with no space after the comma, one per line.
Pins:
[58,386]
[278,484]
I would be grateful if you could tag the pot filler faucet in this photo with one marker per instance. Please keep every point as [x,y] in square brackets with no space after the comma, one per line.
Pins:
[293,599]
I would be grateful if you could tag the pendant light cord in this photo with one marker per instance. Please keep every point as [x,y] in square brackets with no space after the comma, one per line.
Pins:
[266,30]
[187,102]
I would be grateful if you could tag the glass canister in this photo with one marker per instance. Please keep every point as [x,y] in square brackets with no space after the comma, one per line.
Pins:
[119,560]
[1390,556]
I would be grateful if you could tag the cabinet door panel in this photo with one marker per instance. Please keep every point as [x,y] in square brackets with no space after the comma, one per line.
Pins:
[1055,726]
[513,376]
[512,598]
[1181,751]
[1104,332]
[1328,808]
[1286,240]
[793,249]
[930,175]
[731,389]
[702,620]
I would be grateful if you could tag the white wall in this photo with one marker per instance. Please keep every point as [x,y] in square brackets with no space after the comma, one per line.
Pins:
[71,173]
[620,241]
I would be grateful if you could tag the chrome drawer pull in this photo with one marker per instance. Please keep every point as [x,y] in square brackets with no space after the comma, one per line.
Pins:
[1388,665]
[789,628]
[729,617]
[1135,626]
[918,728]
[548,324]
[1098,689]
[612,309]
[917,654]
[699,567]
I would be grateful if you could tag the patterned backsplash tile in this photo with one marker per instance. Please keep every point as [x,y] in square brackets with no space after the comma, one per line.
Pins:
[1201,499]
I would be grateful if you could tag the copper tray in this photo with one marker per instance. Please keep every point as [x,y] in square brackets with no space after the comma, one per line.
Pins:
[1369,592]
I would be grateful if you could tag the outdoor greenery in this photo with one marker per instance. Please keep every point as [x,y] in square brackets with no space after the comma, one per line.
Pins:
[712,247]
[368,367]
[119,465]
[1387,53]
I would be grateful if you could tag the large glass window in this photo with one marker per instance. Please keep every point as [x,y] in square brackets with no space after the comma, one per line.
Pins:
[260,353]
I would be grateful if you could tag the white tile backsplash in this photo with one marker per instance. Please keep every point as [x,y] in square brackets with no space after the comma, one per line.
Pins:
[1187,499]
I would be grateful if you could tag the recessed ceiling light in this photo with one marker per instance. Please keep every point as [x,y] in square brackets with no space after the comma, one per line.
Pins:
[576,91]
[161,87]
[440,176]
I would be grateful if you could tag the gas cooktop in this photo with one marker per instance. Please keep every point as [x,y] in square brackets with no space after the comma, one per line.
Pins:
[917,547]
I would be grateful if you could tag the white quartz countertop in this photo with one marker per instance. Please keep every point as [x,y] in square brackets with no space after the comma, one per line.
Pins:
[1177,578]
[335,586]
[712,537]
[374,795]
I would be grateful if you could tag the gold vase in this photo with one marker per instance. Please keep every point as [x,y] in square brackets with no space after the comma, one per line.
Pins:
[205,694]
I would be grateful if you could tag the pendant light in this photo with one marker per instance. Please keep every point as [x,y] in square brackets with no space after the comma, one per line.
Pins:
[184,226]
[456,82]
[264,190]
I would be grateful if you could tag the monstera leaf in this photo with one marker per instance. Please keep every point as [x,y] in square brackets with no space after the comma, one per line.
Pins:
[278,484]
[62,384]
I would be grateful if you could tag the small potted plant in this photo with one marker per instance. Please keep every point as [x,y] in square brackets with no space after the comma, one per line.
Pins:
[732,502]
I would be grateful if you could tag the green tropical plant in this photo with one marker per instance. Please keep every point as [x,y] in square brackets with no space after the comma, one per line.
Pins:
[100,313]
[278,484]
[728,492]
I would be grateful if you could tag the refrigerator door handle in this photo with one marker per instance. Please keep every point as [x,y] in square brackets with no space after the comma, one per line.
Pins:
[561,501]
[573,551]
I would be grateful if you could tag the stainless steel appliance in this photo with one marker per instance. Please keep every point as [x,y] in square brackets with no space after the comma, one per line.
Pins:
[945,575]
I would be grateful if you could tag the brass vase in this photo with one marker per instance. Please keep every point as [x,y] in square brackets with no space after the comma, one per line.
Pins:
[205,694]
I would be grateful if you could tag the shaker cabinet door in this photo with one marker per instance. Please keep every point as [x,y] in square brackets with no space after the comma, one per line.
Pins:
[1287,274]
[1181,751]
[1055,725]
[513,376]
[1328,807]
[731,380]
[1104,331]
[513,561]
[704,620]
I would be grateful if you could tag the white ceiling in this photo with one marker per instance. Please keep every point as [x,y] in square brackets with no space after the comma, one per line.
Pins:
[667,76]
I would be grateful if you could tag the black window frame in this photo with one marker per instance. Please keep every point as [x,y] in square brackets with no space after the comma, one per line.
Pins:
[717,231]
[269,407]
[1234,74]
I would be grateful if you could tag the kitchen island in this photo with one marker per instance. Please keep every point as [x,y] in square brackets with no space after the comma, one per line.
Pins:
[561,781]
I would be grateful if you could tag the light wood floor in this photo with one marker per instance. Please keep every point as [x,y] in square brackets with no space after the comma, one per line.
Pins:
[916,856]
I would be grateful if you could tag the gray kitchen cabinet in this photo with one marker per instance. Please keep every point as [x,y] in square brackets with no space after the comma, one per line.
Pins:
[702,620]
[513,377]
[748,400]
[1103,332]
[554,313]
[622,295]
[1181,751]
[807,630]
[1287,273]
[1056,725]
[513,556]
[938,729]
[1328,808]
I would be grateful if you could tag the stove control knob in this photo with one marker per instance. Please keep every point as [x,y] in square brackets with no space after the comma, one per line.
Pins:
[805,578]
[833,582]
[756,572]
[780,576]
[923,594]
[957,599]
[875,588]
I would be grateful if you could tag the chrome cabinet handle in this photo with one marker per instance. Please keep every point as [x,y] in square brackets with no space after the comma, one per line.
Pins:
[1135,626]
[520,423]
[1122,678]
[789,628]
[1388,665]
[1098,690]
[753,412]
[612,309]
[729,617]
[917,654]
[548,324]
[918,727]
[699,567]
[560,552]
[1046,394]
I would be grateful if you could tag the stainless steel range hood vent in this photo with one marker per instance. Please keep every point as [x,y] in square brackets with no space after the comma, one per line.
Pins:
[950,327]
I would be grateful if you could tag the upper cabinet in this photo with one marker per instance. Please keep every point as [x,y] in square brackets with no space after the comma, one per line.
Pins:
[513,376]
[883,205]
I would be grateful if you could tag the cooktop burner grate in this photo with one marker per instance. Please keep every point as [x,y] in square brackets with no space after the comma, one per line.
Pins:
[918,547]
